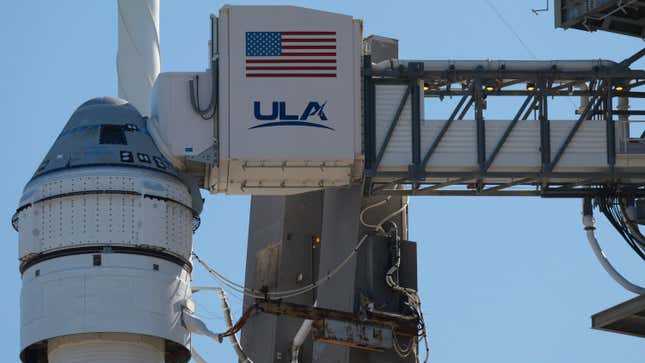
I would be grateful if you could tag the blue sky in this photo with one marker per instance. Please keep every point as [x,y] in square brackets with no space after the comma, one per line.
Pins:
[502,280]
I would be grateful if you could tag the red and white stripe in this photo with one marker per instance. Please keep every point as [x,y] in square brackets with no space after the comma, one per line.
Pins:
[305,54]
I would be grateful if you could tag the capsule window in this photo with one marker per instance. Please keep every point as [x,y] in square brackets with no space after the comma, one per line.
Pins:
[112,135]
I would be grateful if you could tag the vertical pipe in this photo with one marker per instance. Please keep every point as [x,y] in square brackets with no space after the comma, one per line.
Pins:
[479,119]
[623,133]
[415,94]
[611,130]
[545,130]
[369,147]
[138,58]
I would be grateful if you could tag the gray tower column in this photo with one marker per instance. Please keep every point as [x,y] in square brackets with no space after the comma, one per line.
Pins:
[282,254]
[280,249]
[341,230]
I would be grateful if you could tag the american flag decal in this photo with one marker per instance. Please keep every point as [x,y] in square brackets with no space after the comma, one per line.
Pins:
[303,54]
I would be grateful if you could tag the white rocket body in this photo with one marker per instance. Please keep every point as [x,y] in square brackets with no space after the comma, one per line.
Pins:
[105,227]
[105,235]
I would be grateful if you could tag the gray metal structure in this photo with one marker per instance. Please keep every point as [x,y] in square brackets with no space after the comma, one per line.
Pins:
[625,17]
[341,228]
[475,88]
[283,234]
[282,253]
[626,318]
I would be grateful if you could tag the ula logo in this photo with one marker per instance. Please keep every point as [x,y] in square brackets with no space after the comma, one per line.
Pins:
[278,116]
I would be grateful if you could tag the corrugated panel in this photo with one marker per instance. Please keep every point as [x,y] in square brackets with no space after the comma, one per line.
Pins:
[388,99]
[588,148]
[458,148]
[521,149]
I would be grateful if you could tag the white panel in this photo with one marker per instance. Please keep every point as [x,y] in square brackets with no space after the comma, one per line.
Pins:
[494,131]
[588,148]
[106,179]
[179,232]
[69,295]
[275,177]
[521,149]
[106,348]
[388,99]
[152,216]
[106,218]
[28,231]
[289,142]
[457,150]
[182,129]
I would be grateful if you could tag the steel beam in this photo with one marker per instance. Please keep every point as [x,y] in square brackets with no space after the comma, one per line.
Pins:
[626,318]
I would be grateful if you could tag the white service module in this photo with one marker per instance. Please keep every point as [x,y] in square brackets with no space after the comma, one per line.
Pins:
[289,103]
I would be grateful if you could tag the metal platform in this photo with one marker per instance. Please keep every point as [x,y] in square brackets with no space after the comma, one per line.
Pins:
[518,157]
[626,318]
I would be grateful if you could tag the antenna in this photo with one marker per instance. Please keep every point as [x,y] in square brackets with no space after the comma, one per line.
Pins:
[538,11]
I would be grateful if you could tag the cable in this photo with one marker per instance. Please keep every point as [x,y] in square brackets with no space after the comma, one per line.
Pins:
[588,222]
[193,86]
[234,329]
[302,290]
[510,27]
[538,11]
[285,293]
[378,227]
[631,225]
[609,204]
[412,297]
[361,216]
[243,358]
[210,110]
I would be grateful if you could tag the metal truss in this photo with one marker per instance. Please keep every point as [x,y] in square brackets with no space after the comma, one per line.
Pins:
[601,85]
[617,16]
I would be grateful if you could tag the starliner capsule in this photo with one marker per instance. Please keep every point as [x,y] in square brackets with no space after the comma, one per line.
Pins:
[106,226]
